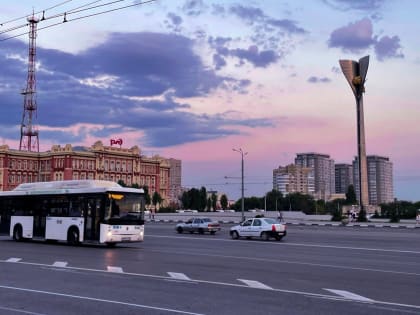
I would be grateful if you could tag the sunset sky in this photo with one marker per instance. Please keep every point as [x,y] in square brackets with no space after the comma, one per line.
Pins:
[193,79]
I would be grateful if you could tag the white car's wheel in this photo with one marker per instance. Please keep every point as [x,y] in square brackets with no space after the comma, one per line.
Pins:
[265,236]
[234,235]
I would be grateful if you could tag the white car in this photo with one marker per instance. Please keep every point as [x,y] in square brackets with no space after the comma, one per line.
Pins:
[259,227]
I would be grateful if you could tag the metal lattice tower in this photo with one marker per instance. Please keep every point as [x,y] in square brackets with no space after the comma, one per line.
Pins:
[28,131]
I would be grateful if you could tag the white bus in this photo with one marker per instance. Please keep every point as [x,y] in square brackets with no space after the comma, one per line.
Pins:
[74,211]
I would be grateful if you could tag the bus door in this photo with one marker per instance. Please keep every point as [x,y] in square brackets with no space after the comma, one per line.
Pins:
[5,210]
[92,218]
[40,212]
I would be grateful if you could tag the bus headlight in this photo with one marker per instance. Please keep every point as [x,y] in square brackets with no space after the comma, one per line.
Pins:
[109,233]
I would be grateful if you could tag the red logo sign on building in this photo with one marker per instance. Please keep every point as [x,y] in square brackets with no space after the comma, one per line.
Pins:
[116,141]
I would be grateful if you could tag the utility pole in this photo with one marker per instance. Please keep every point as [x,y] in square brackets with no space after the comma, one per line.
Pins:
[242,181]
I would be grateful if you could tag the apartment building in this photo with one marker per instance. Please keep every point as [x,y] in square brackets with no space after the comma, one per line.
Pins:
[380,179]
[293,178]
[322,171]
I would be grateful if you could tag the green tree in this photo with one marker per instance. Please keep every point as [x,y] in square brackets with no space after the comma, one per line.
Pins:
[224,202]
[156,199]
[214,201]
[272,199]
[147,199]
[209,204]
[185,200]
[202,199]
[121,183]
[351,198]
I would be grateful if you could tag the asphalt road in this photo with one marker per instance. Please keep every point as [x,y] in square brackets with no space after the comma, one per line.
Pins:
[313,270]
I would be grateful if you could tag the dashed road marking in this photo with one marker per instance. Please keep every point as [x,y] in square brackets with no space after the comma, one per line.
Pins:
[178,276]
[14,259]
[115,269]
[231,285]
[255,284]
[350,295]
[60,264]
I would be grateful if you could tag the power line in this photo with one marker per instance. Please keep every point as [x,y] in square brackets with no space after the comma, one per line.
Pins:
[63,14]
[22,17]
[65,20]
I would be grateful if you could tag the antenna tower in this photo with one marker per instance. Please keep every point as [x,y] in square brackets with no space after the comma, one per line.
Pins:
[28,131]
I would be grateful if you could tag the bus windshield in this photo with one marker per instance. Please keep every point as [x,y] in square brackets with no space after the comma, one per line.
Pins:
[123,207]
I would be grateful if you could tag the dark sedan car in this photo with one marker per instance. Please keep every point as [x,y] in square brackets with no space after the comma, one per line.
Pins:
[199,225]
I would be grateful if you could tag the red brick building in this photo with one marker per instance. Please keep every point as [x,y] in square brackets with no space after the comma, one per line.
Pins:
[95,162]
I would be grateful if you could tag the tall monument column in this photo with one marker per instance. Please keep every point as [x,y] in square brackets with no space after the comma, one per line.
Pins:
[355,73]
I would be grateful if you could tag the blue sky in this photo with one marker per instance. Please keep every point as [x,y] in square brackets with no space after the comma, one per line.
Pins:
[192,79]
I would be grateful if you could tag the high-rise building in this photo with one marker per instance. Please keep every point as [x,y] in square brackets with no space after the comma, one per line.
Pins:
[293,178]
[380,179]
[175,188]
[322,172]
[343,177]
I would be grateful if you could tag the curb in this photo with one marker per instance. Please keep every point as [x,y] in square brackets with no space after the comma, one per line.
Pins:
[361,225]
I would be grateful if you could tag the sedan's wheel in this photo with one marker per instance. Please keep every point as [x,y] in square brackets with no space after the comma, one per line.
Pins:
[265,236]
[212,232]
[179,230]
[201,231]
[234,235]
[278,238]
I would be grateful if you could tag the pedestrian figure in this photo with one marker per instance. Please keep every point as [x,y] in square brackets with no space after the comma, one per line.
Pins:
[418,218]
[280,217]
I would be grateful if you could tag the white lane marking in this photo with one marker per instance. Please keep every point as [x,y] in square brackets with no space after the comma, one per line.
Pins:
[115,269]
[295,262]
[309,294]
[60,264]
[255,284]
[18,311]
[178,276]
[14,259]
[349,295]
[98,300]
[291,244]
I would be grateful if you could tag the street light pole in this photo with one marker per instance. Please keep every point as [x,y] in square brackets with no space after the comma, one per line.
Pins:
[242,177]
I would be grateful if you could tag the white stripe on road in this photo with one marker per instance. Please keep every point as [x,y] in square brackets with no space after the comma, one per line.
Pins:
[178,276]
[255,284]
[60,264]
[231,285]
[14,310]
[295,262]
[99,300]
[290,244]
[349,295]
[115,269]
[14,259]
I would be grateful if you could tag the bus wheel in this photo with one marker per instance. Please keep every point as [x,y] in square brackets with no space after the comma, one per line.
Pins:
[17,233]
[111,244]
[73,236]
